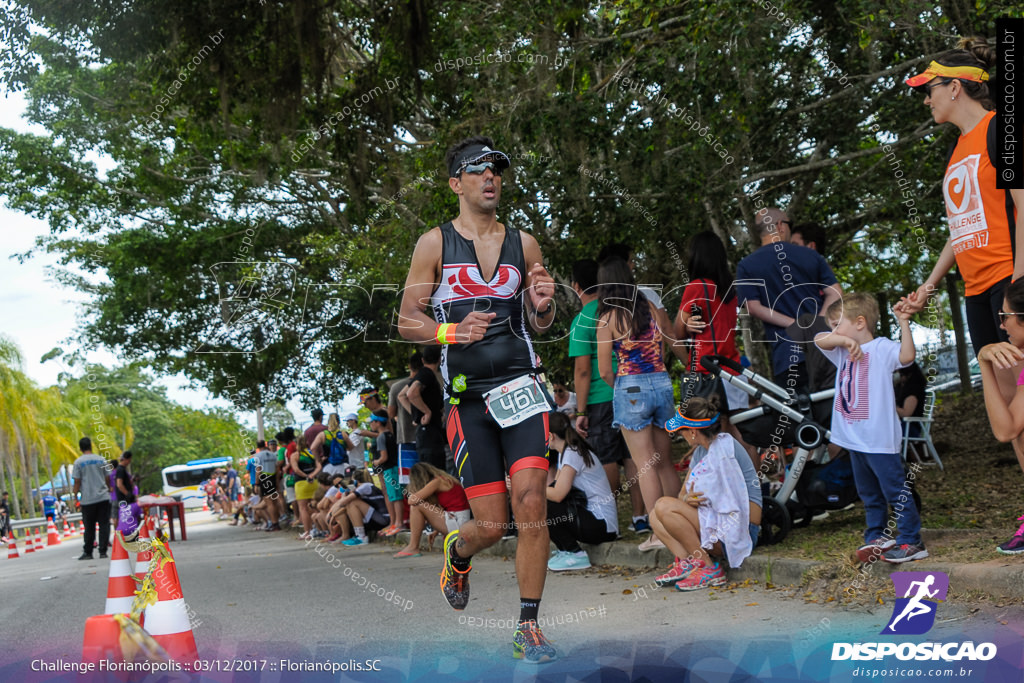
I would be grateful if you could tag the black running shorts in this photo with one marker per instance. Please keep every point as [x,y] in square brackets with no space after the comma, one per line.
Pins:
[483,452]
[268,485]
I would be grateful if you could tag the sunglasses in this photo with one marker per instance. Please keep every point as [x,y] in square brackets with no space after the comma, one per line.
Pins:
[478,169]
[928,88]
[1004,314]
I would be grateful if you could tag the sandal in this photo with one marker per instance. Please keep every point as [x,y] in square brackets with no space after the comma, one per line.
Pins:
[401,553]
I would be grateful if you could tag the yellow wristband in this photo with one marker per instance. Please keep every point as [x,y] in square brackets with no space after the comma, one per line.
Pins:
[445,333]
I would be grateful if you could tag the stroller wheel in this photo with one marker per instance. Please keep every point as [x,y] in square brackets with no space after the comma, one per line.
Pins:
[775,522]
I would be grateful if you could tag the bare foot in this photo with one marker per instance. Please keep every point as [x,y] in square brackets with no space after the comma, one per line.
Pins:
[430,540]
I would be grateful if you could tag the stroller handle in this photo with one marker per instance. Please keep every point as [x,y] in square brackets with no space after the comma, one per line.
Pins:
[714,364]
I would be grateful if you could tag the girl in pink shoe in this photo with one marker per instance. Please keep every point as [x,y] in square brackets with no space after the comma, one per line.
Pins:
[718,511]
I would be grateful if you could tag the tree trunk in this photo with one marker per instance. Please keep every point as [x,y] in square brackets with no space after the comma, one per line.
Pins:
[26,485]
[16,499]
[259,423]
[35,475]
[885,320]
[48,464]
[958,332]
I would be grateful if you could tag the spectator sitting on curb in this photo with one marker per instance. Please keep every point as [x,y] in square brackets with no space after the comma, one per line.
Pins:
[565,400]
[366,510]
[338,522]
[320,515]
[578,471]
[719,508]
[436,498]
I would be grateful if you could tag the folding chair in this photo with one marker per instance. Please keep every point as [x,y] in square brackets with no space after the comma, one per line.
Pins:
[911,441]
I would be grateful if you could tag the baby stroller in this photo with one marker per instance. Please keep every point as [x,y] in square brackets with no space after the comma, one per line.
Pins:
[813,482]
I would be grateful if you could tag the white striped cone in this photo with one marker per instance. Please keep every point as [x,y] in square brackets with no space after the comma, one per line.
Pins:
[12,548]
[39,539]
[81,527]
[167,620]
[29,548]
[165,521]
[120,586]
[67,529]
[142,560]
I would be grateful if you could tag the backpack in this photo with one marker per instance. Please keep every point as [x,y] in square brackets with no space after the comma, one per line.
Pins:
[334,448]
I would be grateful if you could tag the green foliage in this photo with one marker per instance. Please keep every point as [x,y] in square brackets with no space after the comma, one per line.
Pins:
[261,185]
[166,433]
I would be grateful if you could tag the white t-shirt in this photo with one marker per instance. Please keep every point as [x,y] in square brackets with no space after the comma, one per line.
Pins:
[864,415]
[593,482]
[570,405]
[355,448]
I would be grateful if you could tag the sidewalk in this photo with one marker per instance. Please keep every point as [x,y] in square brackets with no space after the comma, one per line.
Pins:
[1000,577]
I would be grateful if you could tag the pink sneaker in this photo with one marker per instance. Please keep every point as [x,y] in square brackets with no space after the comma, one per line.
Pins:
[679,570]
[702,576]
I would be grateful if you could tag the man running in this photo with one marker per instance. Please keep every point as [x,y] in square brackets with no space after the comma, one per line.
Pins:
[473,272]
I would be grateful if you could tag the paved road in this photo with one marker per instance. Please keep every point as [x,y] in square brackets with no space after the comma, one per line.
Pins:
[263,598]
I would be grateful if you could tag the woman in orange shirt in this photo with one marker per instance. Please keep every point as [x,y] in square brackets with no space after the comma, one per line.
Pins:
[985,224]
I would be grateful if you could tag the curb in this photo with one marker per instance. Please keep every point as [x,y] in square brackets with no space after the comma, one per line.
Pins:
[998,578]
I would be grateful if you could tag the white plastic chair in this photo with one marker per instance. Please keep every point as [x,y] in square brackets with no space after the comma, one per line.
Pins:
[910,443]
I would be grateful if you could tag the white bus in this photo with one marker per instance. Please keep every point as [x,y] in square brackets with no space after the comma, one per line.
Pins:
[182,481]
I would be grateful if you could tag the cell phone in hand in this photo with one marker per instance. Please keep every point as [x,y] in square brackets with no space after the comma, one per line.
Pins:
[695,310]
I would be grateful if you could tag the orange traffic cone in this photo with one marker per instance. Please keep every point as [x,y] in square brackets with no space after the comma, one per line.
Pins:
[120,586]
[52,537]
[67,529]
[102,640]
[28,542]
[167,621]
[39,539]
[206,508]
[12,549]
[165,522]
[81,527]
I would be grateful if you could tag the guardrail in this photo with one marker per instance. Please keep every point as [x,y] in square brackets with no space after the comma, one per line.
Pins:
[40,521]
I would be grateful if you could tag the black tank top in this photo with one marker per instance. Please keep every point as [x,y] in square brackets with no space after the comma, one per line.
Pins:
[506,351]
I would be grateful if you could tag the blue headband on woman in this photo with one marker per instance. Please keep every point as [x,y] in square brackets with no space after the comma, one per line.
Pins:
[679,421]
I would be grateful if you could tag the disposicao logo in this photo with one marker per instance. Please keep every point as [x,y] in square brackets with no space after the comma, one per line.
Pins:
[918,595]
[914,613]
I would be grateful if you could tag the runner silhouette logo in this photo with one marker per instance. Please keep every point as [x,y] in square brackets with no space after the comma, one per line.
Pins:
[914,612]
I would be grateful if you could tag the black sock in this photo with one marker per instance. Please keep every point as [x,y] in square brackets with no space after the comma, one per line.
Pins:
[460,563]
[528,609]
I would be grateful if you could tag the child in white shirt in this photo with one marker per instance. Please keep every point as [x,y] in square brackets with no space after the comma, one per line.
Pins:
[864,421]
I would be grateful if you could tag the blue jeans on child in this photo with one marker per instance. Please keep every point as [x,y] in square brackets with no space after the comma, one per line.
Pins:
[882,482]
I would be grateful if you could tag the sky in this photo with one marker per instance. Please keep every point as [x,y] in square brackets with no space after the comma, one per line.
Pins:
[39,314]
